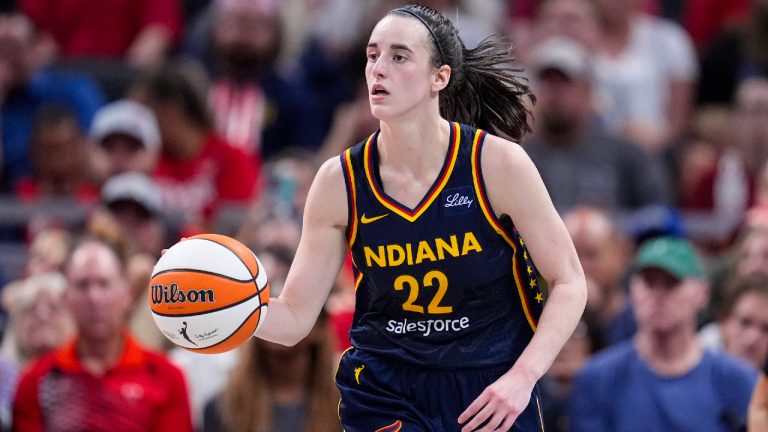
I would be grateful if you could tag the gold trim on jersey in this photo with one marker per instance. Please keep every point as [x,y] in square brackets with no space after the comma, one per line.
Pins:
[352,223]
[494,221]
[445,174]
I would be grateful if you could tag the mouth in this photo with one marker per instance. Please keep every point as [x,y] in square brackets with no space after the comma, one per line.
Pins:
[379,90]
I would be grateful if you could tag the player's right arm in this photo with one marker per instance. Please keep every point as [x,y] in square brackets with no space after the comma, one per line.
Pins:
[758,407]
[318,260]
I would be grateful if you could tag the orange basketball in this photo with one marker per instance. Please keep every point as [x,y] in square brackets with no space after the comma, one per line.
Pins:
[208,293]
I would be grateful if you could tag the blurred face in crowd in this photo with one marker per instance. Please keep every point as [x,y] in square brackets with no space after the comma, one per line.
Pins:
[563,103]
[615,12]
[574,19]
[665,304]
[246,37]
[41,321]
[125,153]
[745,330]
[16,39]
[752,120]
[58,150]
[98,293]
[603,252]
[47,252]
[752,257]
[143,229]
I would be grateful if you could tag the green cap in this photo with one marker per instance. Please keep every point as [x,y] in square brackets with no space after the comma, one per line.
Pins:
[671,254]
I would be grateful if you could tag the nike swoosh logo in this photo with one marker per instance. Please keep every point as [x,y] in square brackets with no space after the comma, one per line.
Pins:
[367,220]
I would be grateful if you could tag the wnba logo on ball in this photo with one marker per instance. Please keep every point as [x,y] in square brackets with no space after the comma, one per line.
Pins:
[172,294]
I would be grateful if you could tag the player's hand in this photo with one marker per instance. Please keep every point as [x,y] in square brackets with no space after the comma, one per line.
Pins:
[500,404]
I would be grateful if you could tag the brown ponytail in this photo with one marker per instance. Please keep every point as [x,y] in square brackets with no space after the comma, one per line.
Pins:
[485,90]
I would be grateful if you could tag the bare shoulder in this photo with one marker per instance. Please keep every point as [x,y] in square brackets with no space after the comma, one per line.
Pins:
[501,158]
[327,200]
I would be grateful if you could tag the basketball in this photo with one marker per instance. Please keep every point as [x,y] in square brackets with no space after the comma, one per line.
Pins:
[208,293]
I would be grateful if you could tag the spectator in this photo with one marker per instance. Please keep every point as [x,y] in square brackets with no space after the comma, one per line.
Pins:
[743,327]
[579,162]
[198,171]
[273,387]
[557,383]
[135,202]
[127,138]
[727,188]
[573,19]
[26,84]
[60,167]
[663,380]
[646,73]
[141,32]
[737,54]
[102,380]
[605,253]
[39,322]
[47,252]
[255,105]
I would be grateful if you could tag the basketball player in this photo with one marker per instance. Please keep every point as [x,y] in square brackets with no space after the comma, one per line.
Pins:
[450,228]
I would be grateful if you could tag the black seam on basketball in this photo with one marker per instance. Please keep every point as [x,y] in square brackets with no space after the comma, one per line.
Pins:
[258,267]
[233,332]
[210,273]
[266,286]
[207,311]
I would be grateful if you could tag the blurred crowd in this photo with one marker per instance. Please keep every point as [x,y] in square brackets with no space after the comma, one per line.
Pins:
[128,124]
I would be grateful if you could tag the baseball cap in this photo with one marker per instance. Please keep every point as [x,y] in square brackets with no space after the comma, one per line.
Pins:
[129,118]
[133,186]
[674,255]
[564,55]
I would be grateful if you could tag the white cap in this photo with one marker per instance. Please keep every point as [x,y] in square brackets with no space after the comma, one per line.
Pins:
[133,186]
[129,118]
[564,55]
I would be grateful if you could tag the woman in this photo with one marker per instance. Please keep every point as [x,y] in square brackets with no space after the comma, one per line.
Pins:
[449,328]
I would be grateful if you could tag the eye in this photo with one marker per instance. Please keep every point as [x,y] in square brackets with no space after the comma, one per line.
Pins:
[372,56]
[399,58]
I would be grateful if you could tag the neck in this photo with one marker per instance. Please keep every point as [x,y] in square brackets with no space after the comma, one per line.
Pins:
[99,355]
[671,353]
[416,146]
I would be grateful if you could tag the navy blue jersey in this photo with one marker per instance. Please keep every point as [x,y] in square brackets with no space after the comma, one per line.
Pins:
[448,283]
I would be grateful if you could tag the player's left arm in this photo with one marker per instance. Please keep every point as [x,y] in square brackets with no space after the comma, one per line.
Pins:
[515,188]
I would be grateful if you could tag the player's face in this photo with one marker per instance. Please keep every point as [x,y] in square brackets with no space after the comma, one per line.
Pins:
[664,303]
[399,71]
[98,294]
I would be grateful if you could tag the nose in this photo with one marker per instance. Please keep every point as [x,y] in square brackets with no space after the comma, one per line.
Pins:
[379,68]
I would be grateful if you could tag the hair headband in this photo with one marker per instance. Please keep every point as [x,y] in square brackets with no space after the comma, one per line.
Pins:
[434,36]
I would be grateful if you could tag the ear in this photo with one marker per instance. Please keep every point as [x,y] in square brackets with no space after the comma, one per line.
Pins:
[441,78]
[702,292]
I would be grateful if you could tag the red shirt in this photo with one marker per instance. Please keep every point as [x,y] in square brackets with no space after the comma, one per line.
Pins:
[28,190]
[219,174]
[143,392]
[101,28]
